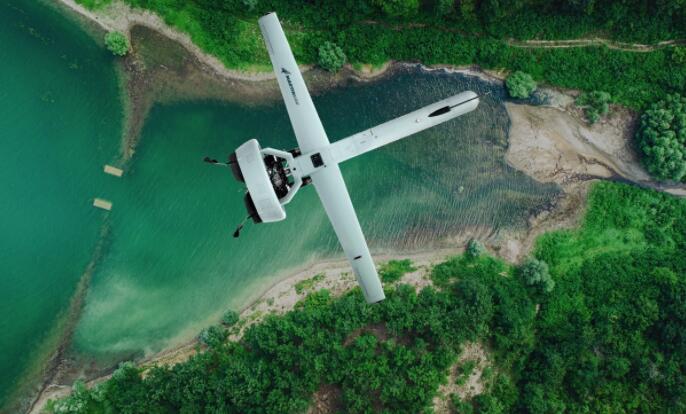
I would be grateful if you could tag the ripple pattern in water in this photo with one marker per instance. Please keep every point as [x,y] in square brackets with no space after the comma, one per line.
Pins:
[173,266]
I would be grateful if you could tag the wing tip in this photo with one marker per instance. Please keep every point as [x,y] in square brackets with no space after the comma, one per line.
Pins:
[269,15]
[373,300]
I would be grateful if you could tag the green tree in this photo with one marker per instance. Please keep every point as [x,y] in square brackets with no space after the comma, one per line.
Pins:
[520,85]
[679,55]
[535,272]
[580,6]
[611,337]
[125,389]
[117,43]
[444,7]
[250,4]
[331,57]
[475,248]
[393,270]
[399,8]
[459,406]
[230,317]
[78,402]
[595,104]
[213,336]
[661,137]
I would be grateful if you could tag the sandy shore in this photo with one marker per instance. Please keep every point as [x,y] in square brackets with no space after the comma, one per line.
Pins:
[279,298]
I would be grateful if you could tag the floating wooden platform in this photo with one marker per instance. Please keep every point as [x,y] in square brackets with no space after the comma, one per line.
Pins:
[117,172]
[103,204]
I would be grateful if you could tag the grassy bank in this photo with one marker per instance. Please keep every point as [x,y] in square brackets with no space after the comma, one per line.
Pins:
[608,338]
[367,34]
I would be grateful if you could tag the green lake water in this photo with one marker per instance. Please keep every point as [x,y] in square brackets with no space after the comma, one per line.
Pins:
[171,266]
[60,117]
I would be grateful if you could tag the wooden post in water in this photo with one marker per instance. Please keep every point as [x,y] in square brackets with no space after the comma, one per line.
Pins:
[103,204]
[117,172]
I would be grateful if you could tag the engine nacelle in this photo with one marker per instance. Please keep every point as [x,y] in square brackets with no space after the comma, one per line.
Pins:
[261,192]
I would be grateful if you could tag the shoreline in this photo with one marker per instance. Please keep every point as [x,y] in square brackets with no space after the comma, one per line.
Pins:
[281,287]
[118,16]
[122,17]
[277,297]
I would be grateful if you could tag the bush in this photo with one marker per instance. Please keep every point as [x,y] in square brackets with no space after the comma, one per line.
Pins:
[307,284]
[459,406]
[444,7]
[679,55]
[520,85]
[662,138]
[595,104]
[331,57]
[395,269]
[77,402]
[535,272]
[230,318]
[117,43]
[475,248]
[213,336]
[94,4]
[250,4]
[399,8]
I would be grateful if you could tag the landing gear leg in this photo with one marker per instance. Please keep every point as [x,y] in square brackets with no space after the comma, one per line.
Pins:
[215,162]
[240,227]
[233,164]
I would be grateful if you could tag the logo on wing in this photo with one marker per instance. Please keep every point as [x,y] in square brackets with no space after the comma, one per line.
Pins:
[290,85]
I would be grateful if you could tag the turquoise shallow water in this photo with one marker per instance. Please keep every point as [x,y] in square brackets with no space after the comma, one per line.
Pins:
[171,265]
[59,123]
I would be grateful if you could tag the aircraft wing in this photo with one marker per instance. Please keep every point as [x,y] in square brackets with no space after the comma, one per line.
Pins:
[306,123]
[336,200]
[311,136]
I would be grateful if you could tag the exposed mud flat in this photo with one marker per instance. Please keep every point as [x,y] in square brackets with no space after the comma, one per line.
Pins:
[554,144]
[550,144]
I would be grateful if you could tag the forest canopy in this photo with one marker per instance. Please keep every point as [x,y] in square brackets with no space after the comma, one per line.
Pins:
[610,336]
[469,32]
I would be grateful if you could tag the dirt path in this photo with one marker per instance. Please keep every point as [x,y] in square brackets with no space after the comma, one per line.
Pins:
[549,44]
[594,42]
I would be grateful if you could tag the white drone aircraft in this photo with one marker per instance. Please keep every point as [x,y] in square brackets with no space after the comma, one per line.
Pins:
[273,177]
